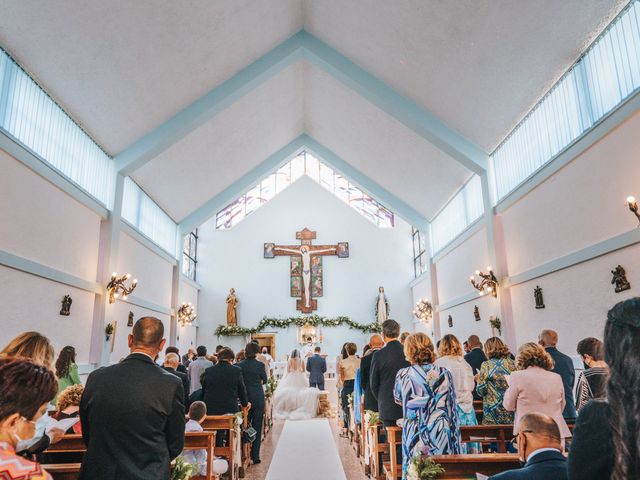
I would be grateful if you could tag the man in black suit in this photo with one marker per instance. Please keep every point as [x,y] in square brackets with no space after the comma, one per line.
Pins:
[384,366]
[539,443]
[170,364]
[254,377]
[375,344]
[316,366]
[548,339]
[475,358]
[132,413]
[224,386]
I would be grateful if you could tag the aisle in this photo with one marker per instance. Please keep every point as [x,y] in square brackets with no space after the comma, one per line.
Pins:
[306,449]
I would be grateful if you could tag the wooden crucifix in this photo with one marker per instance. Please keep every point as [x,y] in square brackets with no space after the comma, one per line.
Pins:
[306,254]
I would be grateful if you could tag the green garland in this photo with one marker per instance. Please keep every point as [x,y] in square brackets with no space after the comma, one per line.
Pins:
[312,320]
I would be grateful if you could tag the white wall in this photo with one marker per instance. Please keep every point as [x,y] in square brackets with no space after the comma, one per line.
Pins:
[234,258]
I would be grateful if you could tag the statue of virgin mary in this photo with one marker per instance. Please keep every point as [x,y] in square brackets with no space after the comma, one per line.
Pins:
[382,306]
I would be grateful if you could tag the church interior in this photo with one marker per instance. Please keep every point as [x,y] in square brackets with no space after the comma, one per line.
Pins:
[297,174]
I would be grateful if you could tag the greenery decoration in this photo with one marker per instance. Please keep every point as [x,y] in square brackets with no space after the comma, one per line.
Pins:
[183,470]
[372,418]
[496,323]
[270,387]
[423,468]
[312,320]
[108,330]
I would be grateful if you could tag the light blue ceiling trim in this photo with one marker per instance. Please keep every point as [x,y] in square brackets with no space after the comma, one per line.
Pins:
[389,100]
[209,105]
[240,186]
[366,184]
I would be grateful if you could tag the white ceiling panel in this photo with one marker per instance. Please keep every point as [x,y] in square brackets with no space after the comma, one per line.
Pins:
[479,65]
[123,67]
[235,141]
[377,145]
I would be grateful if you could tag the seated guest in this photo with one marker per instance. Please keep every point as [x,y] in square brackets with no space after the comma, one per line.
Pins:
[198,395]
[533,387]
[199,365]
[540,446]
[26,389]
[492,383]
[197,414]
[475,358]
[605,442]
[66,369]
[428,399]
[563,366]
[68,406]
[180,368]
[348,368]
[451,358]
[375,344]
[171,364]
[592,382]
[223,388]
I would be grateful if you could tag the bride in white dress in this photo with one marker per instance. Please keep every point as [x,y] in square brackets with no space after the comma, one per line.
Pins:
[294,399]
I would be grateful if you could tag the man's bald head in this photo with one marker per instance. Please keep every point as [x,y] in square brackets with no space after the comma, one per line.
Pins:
[148,332]
[474,341]
[171,360]
[548,338]
[541,426]
[376,341]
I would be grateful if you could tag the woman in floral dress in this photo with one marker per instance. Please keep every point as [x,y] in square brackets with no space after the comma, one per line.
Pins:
[428,399]
[492,384]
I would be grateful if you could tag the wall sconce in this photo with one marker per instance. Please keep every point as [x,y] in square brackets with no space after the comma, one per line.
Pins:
[633,206]
[423,310]
[186,314]
[117,286]
[487,284]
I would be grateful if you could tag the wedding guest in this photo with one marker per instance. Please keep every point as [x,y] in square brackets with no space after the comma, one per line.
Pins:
[540,447]
[199,365]
[66,369]
[475,358]
[375,344]
[197,414]
[605,441]
[132,413]
[180,368]
[348,369]
[68,406]
[533,387]
[254,378]
[492,382]
[428,399]
[224,388]
[384,366]
[189,357]
[403,337]
[465,346]
[592,382]
[450,357]
[26,388]
[563,366]
[171,364]
[240,356]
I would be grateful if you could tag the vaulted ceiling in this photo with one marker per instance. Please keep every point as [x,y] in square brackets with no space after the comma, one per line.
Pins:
[122,69]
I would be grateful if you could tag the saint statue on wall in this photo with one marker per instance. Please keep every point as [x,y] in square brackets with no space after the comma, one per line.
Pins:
[232,308]
[382,306]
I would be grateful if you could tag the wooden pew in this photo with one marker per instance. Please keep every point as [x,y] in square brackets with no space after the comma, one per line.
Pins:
[378,451]
[221,423]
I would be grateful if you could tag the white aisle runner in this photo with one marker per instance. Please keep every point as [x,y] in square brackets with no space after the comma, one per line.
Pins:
[306,450]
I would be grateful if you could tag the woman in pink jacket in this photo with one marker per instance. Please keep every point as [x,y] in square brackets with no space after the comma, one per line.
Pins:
[534,388]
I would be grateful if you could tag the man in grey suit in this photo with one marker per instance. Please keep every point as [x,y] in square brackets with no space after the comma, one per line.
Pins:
[316,366]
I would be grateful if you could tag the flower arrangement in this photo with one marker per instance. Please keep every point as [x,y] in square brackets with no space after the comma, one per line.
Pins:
[423,468]
[108,330]
[371,418]
[496,323]
[270,387]
[350,400]
[238,421]
[183,470]
[312,320]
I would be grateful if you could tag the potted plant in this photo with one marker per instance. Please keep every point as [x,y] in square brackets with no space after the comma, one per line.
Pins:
[496,325]
[108,331]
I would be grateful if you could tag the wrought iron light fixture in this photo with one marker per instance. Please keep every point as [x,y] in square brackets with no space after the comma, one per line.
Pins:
[633,206]
[423,310]
[488,282]
[117,287]
[186,314]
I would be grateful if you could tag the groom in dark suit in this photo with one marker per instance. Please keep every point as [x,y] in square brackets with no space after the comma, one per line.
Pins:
[316,366]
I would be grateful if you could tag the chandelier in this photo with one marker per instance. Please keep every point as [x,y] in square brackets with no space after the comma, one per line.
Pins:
[423,310]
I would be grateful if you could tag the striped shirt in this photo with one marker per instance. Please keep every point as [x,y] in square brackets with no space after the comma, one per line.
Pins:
[592,384]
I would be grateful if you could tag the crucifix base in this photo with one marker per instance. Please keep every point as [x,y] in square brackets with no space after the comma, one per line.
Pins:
[313,305]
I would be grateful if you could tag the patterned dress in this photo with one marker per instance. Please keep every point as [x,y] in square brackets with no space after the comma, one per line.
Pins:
[13,467]
[428,399]
[491,388]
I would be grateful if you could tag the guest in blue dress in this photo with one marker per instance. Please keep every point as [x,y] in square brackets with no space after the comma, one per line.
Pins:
[427,395]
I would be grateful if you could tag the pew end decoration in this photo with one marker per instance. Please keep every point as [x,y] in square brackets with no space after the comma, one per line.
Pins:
[487,284]
[186,314]
[633,206]
[183,470]
[117,287]
[423,310]
[423,468]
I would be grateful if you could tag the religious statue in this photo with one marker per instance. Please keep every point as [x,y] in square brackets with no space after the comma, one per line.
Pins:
[537,293]
[66,306]
[382,306]
[476,313]
[130,320]
[450,321]
[620,279]
[232,308]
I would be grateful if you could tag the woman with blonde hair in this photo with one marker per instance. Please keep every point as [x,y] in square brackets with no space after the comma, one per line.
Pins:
[68,406]
[31,345]
[451,357]
[492,382]
[533,388]
[427,394]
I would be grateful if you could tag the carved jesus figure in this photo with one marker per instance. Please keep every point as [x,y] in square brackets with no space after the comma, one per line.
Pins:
[306,255]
